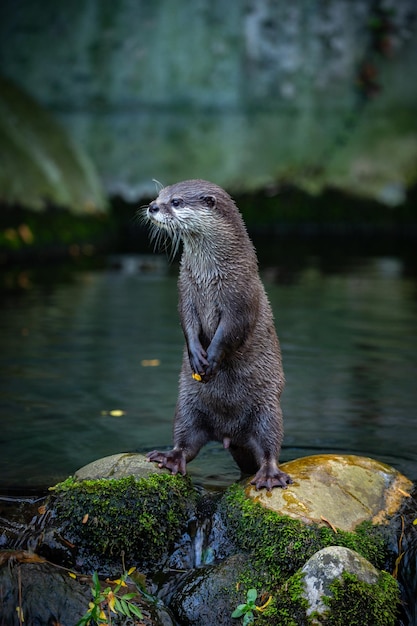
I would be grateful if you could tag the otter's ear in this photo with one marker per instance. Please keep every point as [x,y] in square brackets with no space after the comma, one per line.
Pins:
[210,201]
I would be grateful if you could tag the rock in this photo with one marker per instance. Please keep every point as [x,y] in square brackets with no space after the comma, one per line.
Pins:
[119,466]
[205,598]
[338,490]
[45,594]
[48,595]
[122,505]
[329,565]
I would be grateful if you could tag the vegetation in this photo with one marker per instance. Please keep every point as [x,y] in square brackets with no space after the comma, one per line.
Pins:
[109,600]
[250,607]
[254,529]
[139,517]
[279,546]
[53,233]
[356,603]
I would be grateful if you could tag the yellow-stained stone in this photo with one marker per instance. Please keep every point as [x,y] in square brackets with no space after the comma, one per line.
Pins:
[337,490]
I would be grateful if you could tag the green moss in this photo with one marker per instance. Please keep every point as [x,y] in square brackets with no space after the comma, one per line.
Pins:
[280,545]
[356,603]
[288,607]
[139,517]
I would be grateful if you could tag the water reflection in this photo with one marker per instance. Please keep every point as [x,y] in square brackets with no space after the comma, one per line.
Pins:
[89,367]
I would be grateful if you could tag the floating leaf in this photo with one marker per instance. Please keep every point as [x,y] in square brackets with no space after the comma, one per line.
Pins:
[150,362]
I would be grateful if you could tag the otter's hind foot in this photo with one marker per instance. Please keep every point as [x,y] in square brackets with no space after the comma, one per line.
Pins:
[270,477]
[174,460]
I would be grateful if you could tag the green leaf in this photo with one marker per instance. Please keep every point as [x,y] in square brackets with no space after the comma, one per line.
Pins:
[248,619]
[251,596]
[128,596]
[240,610]
[126,610]
[96,582]
[135,610]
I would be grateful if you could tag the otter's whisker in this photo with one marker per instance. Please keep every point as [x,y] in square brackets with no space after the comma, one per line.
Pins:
[175,244]
[140,215]
[158,185]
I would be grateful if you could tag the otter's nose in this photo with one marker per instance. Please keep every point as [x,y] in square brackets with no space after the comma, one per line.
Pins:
[153,208]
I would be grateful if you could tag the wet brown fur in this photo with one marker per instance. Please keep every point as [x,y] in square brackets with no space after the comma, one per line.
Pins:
[230,335]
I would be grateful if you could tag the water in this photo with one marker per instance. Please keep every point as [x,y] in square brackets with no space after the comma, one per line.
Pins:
[75,350]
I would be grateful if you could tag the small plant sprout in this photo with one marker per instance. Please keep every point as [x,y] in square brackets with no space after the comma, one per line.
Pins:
[248,610]
[109,600]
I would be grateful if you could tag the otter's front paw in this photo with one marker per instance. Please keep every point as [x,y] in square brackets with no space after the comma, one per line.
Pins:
[174,460]
[198,360]
[264,478]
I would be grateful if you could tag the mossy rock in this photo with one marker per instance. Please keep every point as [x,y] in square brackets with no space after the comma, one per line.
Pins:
[337,490]
[341,585]
[119,466]
[280,545]
[335,500]
[277,547]
[133,514]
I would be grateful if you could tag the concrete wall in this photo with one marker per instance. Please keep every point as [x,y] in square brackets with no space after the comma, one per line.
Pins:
[262,92]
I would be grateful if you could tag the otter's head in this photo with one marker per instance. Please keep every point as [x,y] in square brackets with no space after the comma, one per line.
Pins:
[194,211]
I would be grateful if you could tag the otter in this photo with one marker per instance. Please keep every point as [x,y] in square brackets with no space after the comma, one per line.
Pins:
[231,377]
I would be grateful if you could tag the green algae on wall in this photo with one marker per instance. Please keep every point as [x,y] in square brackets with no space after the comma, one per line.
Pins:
[247,94]
[39,164]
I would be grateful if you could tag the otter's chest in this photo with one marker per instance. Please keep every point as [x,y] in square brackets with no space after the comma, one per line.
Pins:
[202,293]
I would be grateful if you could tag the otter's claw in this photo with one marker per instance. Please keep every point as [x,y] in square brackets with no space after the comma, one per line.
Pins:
[174,460]
[270,480]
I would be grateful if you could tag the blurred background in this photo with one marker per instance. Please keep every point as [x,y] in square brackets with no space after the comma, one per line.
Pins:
[305,111]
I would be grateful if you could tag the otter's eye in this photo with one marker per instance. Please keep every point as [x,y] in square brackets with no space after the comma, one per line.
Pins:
[176,202]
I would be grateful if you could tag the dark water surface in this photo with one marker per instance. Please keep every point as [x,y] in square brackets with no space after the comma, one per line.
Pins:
[75,350]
